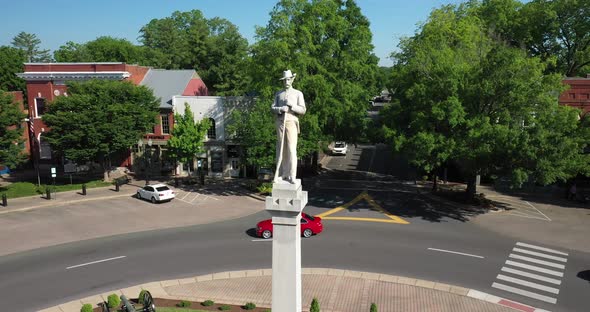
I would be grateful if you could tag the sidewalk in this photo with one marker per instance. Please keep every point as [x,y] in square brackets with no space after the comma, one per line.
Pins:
[103,212]
[335,290]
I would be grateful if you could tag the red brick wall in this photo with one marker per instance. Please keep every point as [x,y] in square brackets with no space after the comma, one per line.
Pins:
[578,95]
[196,87]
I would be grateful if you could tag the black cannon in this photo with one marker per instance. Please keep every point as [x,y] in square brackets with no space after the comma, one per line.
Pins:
[147,299]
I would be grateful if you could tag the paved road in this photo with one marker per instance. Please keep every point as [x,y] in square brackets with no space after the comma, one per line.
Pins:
[439,244]
[49,276]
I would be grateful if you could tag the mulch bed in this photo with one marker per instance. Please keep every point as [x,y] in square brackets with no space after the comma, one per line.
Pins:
[198,306]
[194,305]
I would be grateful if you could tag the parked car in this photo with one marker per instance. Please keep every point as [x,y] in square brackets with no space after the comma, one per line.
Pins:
[156,193]
[309,225]
[340,148]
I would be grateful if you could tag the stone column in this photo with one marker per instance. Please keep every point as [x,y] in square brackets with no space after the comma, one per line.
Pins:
[285,206]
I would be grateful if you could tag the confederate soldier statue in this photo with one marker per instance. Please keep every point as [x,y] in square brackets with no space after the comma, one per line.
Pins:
[287,106]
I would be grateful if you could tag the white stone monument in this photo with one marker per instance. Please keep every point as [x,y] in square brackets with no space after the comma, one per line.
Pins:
[286,203]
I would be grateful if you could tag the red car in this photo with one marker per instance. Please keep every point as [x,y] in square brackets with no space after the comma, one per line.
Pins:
[309,225]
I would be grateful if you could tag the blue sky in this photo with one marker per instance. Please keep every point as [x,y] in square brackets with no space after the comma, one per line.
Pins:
[58,21]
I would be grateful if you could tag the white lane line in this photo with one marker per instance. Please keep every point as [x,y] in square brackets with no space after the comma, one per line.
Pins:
[541,248]
[529,259]
[455,252]
[531,275]
[527,284]
[94,262]
[539,254]
[537,210]
[534,268]
[526,216]
[524,293]
[185,196]
[262,240]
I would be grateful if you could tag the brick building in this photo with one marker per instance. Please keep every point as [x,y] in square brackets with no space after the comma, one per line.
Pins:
[578,95]
[46,81]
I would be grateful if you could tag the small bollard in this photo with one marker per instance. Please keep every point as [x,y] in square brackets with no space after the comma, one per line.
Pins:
[176,182]
[202,179]
[116,186]
[84,189]
[4,200]
[48,193]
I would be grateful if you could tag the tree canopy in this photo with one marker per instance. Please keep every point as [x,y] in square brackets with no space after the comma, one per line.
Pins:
[11,62]
[557,31]
[187,136]
[29,44]
[328,44]
[99,118]
[11,116]
[464,96]
[213,47]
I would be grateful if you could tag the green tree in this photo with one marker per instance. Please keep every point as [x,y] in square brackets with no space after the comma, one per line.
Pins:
[254,128]
[559,29]
[29,43]
[328,44]
[11,62]
[467,97]
[213,47]
[99,118]
[187,136]
[109,49]
[315,305]
[11,148]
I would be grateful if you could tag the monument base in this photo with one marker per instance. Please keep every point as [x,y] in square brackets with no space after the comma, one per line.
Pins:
[285,206]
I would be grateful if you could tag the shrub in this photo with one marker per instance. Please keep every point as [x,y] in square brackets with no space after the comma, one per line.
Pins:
[224,308]
[265,188]
[113,301]
[373,307]
[208,303]
[87,307]
[140,296]
[315,305]
[184,304]
[249,306]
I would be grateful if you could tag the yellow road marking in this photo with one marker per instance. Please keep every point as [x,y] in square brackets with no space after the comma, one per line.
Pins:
[371,201]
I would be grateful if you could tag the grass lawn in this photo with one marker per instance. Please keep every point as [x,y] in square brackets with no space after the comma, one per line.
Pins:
[21,189]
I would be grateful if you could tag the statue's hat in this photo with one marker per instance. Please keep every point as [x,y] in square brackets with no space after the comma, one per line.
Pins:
[287,74]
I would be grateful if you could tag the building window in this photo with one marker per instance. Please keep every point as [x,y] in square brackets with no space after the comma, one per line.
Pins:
[39,106]
[217,161]
[165,124]
[44,149]
[211,132]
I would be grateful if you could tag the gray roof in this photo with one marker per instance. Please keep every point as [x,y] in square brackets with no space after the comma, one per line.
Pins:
[168,83]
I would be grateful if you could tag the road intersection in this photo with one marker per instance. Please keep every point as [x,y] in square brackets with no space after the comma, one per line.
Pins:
[423,237]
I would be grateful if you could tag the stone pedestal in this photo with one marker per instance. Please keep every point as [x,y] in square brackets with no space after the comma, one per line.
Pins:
[285,206]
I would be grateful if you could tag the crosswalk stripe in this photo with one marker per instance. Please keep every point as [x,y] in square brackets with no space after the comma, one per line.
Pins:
[527,284]
[531,275]
[539,254]
[534,268]
[529,259]
[524,293]
[541,248]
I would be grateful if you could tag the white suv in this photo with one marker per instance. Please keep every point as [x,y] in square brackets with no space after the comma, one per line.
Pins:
[340,148]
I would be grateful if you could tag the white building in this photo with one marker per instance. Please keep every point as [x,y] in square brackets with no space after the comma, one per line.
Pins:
[222,156]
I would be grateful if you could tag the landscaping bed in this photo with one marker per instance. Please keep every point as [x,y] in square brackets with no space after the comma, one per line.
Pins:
[175,305]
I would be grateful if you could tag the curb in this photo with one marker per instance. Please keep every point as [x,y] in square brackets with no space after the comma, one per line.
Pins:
[59,204]
[158,290]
